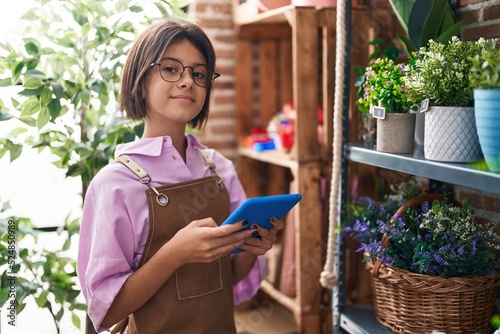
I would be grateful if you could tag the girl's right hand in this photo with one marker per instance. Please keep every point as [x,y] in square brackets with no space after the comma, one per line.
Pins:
[204,241]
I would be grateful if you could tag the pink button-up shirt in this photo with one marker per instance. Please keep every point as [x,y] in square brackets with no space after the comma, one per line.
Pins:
[115,220]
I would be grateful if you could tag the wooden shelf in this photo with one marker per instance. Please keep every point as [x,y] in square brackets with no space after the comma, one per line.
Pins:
[277,158]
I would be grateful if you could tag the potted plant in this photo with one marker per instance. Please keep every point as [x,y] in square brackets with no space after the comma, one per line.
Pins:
[485,80]
[430,264]
[367,127]
[437,77]
[422,21]
[385,94]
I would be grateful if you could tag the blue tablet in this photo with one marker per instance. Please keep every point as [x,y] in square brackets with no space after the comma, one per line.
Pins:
[259,210]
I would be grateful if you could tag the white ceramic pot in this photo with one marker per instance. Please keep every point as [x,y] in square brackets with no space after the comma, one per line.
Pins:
[450,135]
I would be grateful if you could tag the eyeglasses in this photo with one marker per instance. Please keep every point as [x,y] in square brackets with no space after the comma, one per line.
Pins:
[172,70]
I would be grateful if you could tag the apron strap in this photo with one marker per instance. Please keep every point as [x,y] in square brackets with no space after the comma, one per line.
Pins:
[209,162]
[143,176]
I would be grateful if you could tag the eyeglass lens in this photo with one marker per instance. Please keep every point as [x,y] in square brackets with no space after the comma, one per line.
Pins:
[172,70]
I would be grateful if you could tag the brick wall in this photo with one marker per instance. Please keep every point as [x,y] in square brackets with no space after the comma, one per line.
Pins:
[216,18]
[481,18]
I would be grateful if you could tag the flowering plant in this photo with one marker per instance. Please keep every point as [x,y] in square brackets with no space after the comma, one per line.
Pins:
[440,72]
[440,239]
[384,86]
[364,213]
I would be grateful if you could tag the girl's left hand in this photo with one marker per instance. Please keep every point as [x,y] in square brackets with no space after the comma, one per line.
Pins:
[262,239]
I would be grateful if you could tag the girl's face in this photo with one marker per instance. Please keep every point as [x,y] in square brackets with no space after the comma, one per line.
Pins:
[173,104]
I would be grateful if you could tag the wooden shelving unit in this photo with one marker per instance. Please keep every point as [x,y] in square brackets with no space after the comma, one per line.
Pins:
[288,54]
[279,58]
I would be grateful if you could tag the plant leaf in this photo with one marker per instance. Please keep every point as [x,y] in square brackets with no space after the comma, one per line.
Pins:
[41,300]
[446,36]
[5,82]
[5,116]
[392,52]
[76,320]
[28,120]
[433,22]
[402,10]
[15,151]
[43,118]
[419,12]
[18,131]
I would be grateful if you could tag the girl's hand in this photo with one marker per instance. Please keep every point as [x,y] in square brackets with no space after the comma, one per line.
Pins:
[204,241]
[262,239]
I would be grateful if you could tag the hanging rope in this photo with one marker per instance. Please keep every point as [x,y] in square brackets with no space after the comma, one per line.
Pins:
[328,278]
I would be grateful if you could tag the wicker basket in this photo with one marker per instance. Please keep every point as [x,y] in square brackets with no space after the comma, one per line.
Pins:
[413,303]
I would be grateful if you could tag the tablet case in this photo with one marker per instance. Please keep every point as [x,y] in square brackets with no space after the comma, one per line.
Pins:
[259,210]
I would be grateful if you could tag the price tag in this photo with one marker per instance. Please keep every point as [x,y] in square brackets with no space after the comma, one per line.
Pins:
[378,112]
[424,106]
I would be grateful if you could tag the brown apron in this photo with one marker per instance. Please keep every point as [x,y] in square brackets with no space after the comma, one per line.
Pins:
[198,297]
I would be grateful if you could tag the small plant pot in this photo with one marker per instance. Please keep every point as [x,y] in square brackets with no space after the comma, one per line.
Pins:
[396,133]
[450,135]
[487,113]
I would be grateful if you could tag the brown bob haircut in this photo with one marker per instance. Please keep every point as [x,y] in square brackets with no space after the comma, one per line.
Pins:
[148,49]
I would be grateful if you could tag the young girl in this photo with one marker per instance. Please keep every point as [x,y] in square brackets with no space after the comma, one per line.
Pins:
[151,254]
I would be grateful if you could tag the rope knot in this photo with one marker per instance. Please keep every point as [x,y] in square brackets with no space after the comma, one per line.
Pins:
[328,280]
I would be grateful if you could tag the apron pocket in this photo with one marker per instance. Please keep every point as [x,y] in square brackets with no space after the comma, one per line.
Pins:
[198,279]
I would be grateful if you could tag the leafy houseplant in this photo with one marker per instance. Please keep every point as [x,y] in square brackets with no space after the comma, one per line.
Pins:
[390,52]
[485,81]
[385,94]
[440,72]
[48,275]
[425,20]
[438,77]
[64,75]
[368,131]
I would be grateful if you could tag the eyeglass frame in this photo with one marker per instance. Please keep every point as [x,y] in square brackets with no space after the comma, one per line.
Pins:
[215,74]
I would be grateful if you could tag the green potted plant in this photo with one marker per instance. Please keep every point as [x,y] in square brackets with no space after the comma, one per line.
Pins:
[368,128]
[485,80]
[385,94]
[437,77]
[63,75]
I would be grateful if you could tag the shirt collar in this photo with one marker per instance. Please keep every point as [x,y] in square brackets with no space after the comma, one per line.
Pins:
[153,146]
